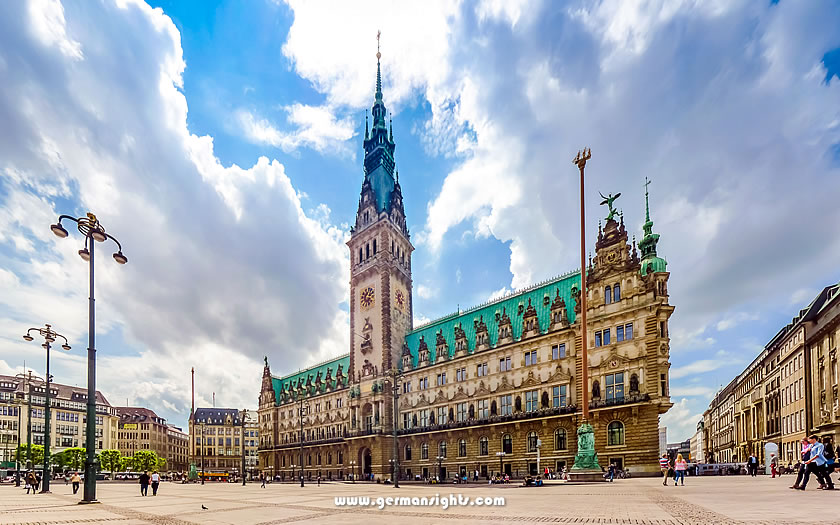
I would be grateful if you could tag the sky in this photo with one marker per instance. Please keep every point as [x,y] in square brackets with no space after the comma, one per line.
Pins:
[221,144]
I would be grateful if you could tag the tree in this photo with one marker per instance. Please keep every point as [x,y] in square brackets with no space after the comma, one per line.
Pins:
[161,464]
[75,457]
[111,460]
[61,460]
[145,460]
[37,454]
[126,463]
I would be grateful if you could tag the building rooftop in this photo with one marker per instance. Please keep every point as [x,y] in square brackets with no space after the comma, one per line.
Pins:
[326,372]
[216,416]
[70,393]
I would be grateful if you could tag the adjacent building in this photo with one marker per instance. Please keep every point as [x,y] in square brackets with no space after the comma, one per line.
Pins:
[217,438]
[491,388]
[787,393]
[178,449]
[696,445]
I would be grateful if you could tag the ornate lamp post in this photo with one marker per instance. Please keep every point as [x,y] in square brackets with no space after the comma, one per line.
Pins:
[244,413]
[501,456]
[300,416]
[394,378]
[28,379]
[353,466]
[586,460]
[17,450]
[439,468]
[90,227]
[49,336]
[202,452]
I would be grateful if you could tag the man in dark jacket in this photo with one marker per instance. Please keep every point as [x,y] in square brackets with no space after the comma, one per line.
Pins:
[144,483]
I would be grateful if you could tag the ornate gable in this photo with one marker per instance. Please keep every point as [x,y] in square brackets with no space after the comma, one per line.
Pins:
[530,380]
[558,376]
[481,389]
[460,394]
[482,336]
[530,322]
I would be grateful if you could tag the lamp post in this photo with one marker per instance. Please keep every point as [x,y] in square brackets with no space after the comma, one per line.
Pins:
[17,450]
[501,456]
[90,227]
[353,466]
[202,452]
[244,413]
[439,467]
[300,416]
[394,377]
[28,379]
[49,336]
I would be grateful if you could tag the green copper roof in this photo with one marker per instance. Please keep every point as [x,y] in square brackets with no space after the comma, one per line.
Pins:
[513,305]
[283,384]
[647,246]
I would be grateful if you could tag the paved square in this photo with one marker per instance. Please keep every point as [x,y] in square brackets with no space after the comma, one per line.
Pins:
[708,500]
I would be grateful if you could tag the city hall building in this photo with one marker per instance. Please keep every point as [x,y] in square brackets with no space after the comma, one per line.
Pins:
[493,388]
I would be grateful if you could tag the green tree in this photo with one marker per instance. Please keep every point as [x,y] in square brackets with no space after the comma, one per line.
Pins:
[37,454]
[145,460]
[110,460]
[161,464]
[126,463]
[61,460]
[75,458]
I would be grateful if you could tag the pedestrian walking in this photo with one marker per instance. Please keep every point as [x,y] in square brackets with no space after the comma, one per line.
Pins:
[319,479]
[75,480]
[804,455]
[774,465]
[816,465]
[155,482]
[611,471]
[664,467]
[830,459]
[144,484]
[262,480]
[679,470]
[752,465]
[31,482]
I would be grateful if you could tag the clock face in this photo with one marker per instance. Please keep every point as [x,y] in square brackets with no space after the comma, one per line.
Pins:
[612,257]
[400,298]
[366,297]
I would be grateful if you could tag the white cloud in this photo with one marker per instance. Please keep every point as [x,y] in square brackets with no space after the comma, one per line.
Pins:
[224,263]
[696,367]
[46,19]
[315,127]
[692,390]
[734,319]
[426,292]
[681,421]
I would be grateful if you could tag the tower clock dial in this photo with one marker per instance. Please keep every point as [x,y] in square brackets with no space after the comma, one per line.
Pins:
[367,297]
[400,299]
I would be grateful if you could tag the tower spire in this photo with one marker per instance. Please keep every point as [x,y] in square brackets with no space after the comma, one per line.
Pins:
[647,205]
[378,71]
[650,260]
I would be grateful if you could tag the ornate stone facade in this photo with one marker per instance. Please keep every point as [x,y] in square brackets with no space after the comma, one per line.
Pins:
[503,377]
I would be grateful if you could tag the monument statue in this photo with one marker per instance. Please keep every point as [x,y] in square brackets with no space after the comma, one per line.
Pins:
[608,200]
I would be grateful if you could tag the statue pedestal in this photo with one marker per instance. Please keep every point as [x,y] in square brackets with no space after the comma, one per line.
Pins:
[586,467]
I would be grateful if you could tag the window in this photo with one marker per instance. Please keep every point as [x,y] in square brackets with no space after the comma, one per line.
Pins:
[615,433]
[481,370]
[461,374]
[663,384]
[424,451]
[617,292]
[531,358]
[615,386]
[424,417]
[628,331]
[461,412]
[558,396]
[504,364]
[558,351]
[607,295]
[442,449]
[483,410]
[462,448]
[423,384]
[606,336]
[507,444]
[407,455]
[619,333]
[532,441]
[560,439]
[531,400]
[441,416]
[406,387]
[598,338]
[441,379]
[506,402]
[406,420]
[662,330]
[483,446]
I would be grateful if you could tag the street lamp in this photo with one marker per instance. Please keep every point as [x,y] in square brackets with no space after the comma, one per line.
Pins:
[90,227]
[18,406]
[501,456]
[393,376]
[28,379]
[353,466]
[440,468]
[244,413]
[202,452]
[49,336]
[300,416]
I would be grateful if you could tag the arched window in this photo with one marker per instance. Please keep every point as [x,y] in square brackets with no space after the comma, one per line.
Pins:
[532,441]
[615,433]
[442,449]
[462,448]
[607,295]
[424,451]
[507,444]
[319,458]
[407,455]
[560,439]
[329,458]
[617,292]
[483,446]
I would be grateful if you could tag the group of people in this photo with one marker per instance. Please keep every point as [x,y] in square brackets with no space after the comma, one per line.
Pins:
[819,459]
[678,468]
[145,480]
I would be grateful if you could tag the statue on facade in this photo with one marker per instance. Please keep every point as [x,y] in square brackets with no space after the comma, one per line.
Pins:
[608,200]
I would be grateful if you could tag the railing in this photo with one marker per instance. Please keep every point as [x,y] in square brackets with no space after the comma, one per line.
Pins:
[633,398]
[517,416]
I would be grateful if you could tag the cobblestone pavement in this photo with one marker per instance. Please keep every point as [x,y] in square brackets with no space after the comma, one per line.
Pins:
[711,500]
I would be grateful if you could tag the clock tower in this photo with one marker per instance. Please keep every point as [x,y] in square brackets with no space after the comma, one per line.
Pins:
[380,255]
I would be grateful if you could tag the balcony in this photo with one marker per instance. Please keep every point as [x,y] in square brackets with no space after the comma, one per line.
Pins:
[517,416]
[633,398]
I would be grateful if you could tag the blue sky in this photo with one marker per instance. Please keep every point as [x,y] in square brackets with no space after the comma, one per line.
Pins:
[221,143]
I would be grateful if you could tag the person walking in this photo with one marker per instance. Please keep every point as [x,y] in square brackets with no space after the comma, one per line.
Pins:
[816,465]
[803,455]
[664,467]
[774,465]
[31,482]
[611,471]
[75,480]
[679,470]
[830,459]
[262,480]
[144,484]
[752,465]
[155,482]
